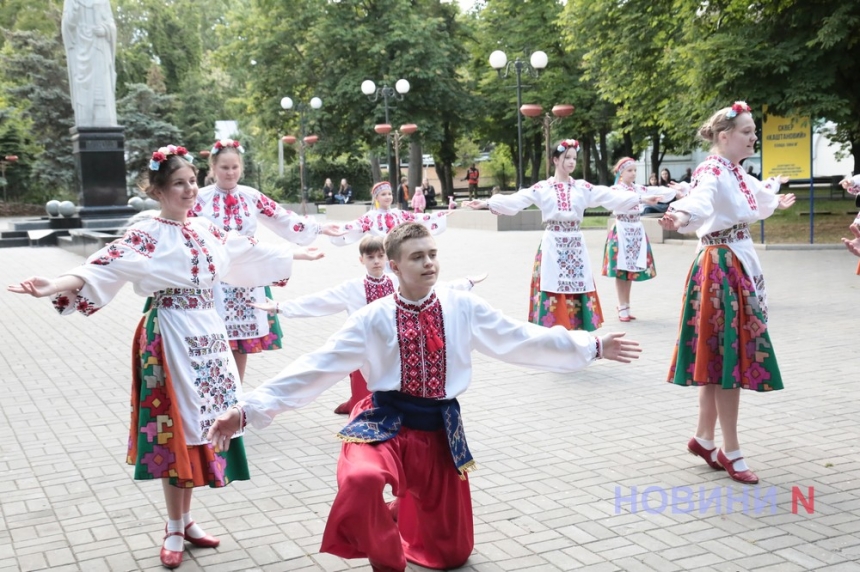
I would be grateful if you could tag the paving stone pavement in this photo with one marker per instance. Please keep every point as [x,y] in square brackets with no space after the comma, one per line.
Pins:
[559,456]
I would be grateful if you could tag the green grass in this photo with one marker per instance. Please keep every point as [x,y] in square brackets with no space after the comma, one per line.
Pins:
[791,226]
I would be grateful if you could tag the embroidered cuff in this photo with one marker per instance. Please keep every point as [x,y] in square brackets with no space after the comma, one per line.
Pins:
[598,348]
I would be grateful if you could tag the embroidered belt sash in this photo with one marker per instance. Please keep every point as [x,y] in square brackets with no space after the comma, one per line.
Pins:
[734,234]
[392,410]
[627,217]
[184,299]
[562,225]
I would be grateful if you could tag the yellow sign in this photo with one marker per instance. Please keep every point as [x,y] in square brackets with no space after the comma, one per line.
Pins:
[785,146]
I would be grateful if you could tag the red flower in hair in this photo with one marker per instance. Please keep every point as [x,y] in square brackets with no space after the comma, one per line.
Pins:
[181,151]
[235,144]
[158,156]
[218,145]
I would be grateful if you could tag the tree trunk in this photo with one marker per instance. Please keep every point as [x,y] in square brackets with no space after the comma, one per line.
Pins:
[536,157]
[601,158]
[416,172]
[627,146]
[375,171]
[585,147]
[656,158]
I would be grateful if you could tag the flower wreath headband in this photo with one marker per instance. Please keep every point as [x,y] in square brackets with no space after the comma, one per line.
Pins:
[738,107]
[567,144]
[224,143]
[160,156]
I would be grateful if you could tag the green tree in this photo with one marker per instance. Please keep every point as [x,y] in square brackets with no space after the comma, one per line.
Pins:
[628,65]
[309,48]
[796,57]
[142,112]
[35,78]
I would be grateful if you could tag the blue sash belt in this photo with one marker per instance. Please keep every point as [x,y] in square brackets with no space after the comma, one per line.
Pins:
[393,409]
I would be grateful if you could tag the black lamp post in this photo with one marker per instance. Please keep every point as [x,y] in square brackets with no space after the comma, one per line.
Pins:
[304,141]
[373,93]
[537,61]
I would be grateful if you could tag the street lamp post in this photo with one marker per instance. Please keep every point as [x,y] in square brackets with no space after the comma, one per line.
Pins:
[306,140]
[5,162]
[559,112]
[537,61]
[385,129]
[373,93]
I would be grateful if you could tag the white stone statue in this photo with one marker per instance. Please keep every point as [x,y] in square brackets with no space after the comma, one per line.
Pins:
[89,35]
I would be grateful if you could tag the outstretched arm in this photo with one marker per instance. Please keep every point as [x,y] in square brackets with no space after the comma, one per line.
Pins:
[39,287]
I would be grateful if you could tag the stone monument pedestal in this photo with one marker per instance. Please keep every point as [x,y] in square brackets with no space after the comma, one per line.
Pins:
[100,169]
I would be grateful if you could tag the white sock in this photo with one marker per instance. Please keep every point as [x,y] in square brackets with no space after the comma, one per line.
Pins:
[738,465]
[193,531]
[710,446]
[175,543]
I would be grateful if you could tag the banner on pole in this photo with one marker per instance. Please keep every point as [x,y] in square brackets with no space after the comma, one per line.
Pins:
[786,146]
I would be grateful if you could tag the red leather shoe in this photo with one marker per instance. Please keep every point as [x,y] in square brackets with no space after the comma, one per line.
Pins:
[695,448]
[207,541]
[746,477]
[170,558]
[624,314]
[343,408]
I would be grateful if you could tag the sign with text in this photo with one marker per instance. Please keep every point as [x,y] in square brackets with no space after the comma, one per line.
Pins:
[786,144]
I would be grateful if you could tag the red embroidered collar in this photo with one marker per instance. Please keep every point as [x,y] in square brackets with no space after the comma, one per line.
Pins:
[417,306]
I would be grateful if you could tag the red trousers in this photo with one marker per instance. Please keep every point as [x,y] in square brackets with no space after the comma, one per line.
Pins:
[434,526]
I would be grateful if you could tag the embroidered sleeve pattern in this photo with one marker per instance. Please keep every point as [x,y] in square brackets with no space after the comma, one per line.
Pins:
[134,240]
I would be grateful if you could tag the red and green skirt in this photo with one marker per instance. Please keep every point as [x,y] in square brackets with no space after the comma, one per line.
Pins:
[271,341]
[573,311]
[723,338]
[156,445]
[610,261]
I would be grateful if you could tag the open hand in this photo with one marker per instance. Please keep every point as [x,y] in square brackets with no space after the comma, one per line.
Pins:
[269,306]
[36,286]
[476,204]
[616,348]
[853,245]
[848,184]
[786,201]
[671,221]
[782,179]
[332,230]
[309,253]
[224,428]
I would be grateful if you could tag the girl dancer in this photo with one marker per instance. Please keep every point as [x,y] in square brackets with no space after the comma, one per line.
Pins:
[562,291]
[235,207]
[627,255]
[183,376]
[723,342]
[382,218]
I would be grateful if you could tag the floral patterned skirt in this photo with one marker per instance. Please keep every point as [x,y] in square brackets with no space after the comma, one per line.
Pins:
[610,260]
[723,338]
[271,341]
[573,311]
[156,445]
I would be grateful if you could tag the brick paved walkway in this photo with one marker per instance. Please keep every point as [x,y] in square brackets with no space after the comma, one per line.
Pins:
[556,453]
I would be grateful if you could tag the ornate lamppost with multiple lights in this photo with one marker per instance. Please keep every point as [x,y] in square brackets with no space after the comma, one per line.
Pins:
[537,61]
[558,113]
[373,93]
[386,130]
[306,140]
[5,162]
